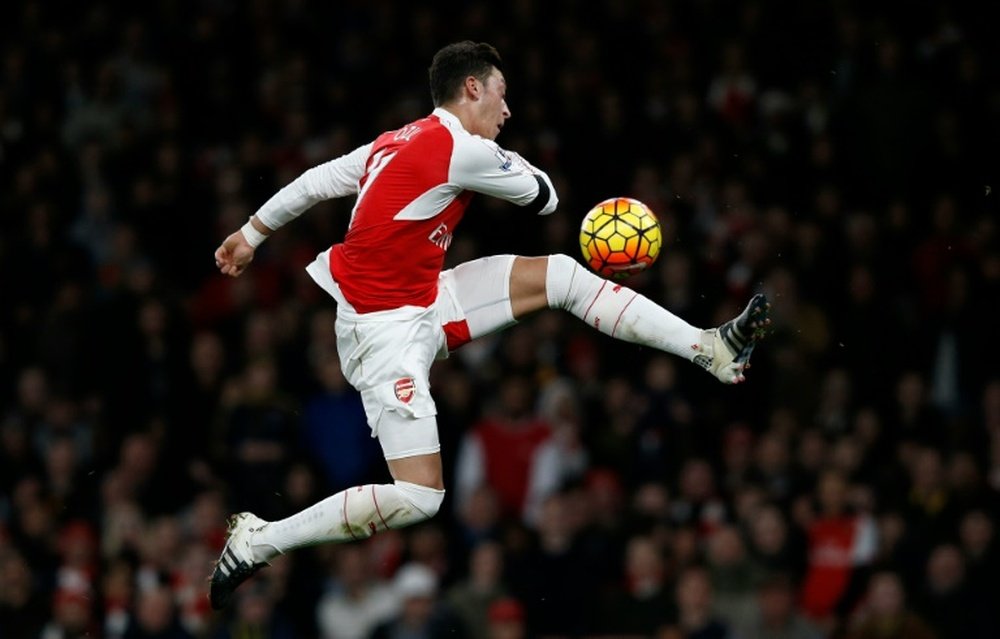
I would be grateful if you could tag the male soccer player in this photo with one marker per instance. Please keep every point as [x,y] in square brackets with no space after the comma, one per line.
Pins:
[397,311]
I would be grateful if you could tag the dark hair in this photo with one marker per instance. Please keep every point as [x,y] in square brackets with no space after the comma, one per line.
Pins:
[455,62]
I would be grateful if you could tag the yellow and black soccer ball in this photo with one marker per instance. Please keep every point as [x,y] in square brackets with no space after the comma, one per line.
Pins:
[620,237]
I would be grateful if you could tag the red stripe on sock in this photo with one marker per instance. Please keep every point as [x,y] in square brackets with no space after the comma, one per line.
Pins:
[346,524]
[382,519]
[593,301]
[615,328]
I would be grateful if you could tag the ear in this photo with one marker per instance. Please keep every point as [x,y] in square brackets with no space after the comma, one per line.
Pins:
[473,88]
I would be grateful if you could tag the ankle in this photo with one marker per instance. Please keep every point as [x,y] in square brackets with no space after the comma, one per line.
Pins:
[704,349]
[262,543]
[263,552]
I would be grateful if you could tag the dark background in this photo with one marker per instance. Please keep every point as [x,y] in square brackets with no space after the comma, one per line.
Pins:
[838,156]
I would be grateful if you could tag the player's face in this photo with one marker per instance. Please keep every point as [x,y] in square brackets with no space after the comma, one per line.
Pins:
[492,111]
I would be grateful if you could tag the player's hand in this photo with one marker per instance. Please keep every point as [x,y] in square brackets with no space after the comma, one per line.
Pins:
[234,255]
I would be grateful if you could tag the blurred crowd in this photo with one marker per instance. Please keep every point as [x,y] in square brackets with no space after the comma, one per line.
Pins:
[836,156]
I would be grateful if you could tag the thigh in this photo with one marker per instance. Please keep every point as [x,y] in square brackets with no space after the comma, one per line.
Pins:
[387,358]
[474,299]
[424,470]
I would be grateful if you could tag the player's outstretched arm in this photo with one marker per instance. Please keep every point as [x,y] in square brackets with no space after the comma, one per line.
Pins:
[336,178]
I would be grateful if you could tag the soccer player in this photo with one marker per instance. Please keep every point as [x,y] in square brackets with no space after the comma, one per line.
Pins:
[396,316]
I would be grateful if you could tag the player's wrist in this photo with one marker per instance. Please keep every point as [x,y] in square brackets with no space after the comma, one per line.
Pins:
[250,233]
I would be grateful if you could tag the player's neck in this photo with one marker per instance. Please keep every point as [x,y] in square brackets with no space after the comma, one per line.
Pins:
[461,111]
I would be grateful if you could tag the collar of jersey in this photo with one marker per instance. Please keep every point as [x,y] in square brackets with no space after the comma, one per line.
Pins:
[449,118]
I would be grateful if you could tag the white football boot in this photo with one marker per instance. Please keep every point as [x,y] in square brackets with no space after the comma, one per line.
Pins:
[236,564]
[725,351]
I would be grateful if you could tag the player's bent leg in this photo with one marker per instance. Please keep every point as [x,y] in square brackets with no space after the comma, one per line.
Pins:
[488,294]
[350,515]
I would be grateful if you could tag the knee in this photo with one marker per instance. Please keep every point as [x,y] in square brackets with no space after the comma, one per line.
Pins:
[425,501]
[561,259]
[559,276]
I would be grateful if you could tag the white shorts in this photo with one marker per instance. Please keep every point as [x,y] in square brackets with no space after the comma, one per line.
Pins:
[387,355]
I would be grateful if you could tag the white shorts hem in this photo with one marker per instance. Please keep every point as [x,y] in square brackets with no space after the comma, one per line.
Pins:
[414,452]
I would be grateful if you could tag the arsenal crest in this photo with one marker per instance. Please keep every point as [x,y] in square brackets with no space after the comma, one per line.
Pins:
[404,389]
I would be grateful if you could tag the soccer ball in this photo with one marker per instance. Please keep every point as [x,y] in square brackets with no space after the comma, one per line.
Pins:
[620,237]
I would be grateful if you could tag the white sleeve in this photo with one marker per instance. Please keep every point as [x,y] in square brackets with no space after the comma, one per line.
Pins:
[865,541]
[480,165]
[545,476]
[336,178]
[470,466]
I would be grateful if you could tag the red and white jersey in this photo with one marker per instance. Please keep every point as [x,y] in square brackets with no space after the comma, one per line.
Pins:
[413,186]
[837,545]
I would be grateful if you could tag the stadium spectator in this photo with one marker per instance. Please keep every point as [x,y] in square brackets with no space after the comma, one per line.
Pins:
[776,615]
[509,449]
[72,613]
[733,577]
[774,546]
[643,602]
[930,510]
[841,546]
[555,577]
[347,453]
[357,601]
[117,590]
[977,533]
[473,598]
[695,607]
[420,614]
[479,520]
[156,616]
[884,613]
[698,503]
[772,468]
[428,545]
[945,601]
[24,607]
[78,557]
[506,619]
[258,426]
[256,617]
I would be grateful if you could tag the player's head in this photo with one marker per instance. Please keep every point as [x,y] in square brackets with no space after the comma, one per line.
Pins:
[469,75]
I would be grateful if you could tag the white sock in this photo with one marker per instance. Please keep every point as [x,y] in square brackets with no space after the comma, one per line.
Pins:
[616,310]
[350,515]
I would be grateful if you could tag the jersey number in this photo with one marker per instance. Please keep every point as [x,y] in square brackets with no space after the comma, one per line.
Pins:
[379,161]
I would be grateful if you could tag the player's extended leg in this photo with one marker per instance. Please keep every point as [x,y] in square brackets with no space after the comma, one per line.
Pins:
[488,294]
[558,281]
[350,515]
